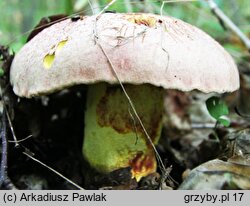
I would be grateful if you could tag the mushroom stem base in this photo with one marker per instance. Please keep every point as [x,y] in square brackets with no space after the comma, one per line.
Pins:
[113,138]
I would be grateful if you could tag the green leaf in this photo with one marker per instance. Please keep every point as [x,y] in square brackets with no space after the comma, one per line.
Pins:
[1,72]
[224,120]
[218,110]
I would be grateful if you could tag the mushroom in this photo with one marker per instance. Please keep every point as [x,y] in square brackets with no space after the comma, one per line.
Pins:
[148,52]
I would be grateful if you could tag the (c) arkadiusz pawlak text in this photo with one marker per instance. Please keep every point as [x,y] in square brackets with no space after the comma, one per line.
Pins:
[75,196]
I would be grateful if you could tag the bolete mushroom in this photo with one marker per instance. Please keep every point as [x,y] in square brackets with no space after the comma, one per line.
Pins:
[149,52]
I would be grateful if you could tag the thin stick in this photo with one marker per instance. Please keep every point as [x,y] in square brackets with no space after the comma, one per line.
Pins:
[162,166]
[98,15]
[21,140]
[5,182]
[17,144]
[4,165]
[4,153]
[105,8]
[94,5]
[91,7]
[134,125]
[59,174]
[11,126]
[222,17]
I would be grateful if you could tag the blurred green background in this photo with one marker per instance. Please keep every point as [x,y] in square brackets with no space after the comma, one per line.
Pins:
[18,17]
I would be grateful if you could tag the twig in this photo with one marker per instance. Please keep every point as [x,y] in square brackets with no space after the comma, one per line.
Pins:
[21,140]
[225,19]
[51,169]
[4,166]
[105,8]
[17,144]
[162,166]
[3,175]
[5,182]
[97,17]
[167,177]
[91,7]
[10,124]
[134,125]
[94,6]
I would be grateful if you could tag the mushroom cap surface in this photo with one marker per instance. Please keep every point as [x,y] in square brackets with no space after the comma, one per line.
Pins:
[143,48]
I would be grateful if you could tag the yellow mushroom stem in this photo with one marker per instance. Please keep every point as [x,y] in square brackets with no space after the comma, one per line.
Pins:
[113,138]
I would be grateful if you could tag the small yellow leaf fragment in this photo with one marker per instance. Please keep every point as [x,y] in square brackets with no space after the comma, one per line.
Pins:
[60,45]
[50,57]
[48,60]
